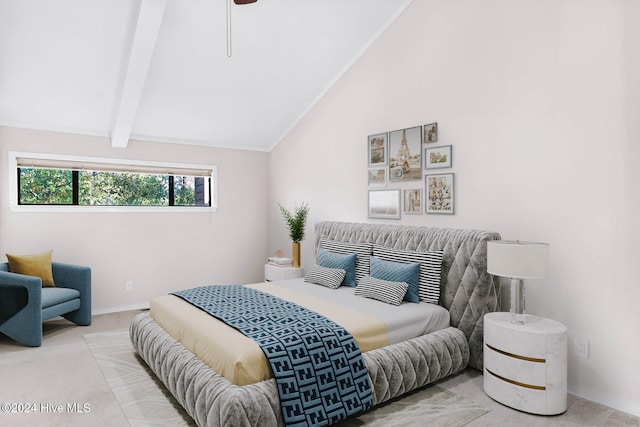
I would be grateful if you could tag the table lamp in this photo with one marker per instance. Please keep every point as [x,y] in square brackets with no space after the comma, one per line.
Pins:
[518,261]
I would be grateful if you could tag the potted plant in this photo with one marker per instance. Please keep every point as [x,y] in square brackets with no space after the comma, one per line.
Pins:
[296,222]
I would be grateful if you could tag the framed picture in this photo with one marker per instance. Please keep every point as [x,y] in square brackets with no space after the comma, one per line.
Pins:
[377,177]
[377,149]
[413,201]
[405,154]
[439,193]
[430,132]
[438,157]
[384,204]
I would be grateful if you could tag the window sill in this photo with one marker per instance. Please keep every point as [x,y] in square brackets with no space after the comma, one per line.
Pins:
[111,209]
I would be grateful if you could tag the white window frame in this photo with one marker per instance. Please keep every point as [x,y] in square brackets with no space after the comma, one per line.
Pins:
[13,185]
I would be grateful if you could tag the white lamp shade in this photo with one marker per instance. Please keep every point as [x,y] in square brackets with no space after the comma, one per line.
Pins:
[519,260]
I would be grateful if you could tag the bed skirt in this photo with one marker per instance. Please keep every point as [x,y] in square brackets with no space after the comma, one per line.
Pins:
[211,400]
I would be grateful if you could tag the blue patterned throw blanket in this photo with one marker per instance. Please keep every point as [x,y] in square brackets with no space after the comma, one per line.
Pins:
[318,368]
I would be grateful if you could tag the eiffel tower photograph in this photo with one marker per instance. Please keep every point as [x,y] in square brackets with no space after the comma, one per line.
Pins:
[405,154]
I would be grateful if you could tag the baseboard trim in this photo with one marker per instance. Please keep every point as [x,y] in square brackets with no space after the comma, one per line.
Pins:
[619,405]
[140,306]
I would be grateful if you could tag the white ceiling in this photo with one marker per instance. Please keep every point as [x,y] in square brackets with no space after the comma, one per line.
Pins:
[158,69]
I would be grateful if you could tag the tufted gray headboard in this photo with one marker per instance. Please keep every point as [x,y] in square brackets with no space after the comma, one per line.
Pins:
[467,290]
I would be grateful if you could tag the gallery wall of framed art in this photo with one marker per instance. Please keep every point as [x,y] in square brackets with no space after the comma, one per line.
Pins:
[402,179]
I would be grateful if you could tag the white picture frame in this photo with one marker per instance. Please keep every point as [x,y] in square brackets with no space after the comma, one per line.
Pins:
[384,204]
[438,157]
[377,177]
[378,150]
[439,193]
[412,201]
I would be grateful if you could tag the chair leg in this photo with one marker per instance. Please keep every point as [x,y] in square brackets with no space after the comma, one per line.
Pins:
[30,335]
[81,316]
[23,322]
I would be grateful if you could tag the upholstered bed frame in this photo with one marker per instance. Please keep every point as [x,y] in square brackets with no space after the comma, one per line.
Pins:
[467,291]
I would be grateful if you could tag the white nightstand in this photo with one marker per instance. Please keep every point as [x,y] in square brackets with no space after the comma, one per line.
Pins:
[525,366]
[274,272]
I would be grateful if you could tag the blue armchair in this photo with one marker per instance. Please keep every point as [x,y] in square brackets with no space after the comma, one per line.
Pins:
[25,304]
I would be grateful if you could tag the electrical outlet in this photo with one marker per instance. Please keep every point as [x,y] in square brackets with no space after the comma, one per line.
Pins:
[581,347]
[129,285]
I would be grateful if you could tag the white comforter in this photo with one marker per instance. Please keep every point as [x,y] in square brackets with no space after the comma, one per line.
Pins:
[406,321]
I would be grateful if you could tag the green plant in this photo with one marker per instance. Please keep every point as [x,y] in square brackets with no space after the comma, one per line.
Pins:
[296,220]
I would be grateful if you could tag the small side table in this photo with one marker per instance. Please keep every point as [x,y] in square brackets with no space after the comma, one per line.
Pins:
[274,272]
[525,366]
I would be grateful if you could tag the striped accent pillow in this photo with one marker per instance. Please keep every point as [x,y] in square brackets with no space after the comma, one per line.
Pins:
[381,290]
[329,277]
[430,268]
[363,251]
[335,260]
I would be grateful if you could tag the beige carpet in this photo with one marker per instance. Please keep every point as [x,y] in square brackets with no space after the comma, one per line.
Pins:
[143,398]
[145,401]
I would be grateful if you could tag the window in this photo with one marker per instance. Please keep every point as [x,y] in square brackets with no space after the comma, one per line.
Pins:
[58,181]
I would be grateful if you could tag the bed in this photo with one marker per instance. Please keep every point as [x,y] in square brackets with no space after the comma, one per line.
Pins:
[466,292]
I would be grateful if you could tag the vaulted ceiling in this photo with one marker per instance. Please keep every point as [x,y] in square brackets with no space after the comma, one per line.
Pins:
[159,70]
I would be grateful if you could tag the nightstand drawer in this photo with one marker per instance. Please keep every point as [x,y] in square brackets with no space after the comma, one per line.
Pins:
[517,397]
[513,368]
[511,341]
[274,273]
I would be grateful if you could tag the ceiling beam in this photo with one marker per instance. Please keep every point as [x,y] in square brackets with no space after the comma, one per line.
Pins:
[146,32]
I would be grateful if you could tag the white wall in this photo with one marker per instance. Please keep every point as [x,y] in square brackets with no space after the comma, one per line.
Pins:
[159,252]
[540,102]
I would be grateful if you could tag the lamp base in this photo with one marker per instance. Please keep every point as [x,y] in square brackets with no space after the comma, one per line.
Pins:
[517,301]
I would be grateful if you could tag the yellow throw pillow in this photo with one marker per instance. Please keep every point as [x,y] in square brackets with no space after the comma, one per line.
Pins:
[38,265]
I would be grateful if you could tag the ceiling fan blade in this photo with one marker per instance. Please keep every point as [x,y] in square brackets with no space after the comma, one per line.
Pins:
[244,1]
